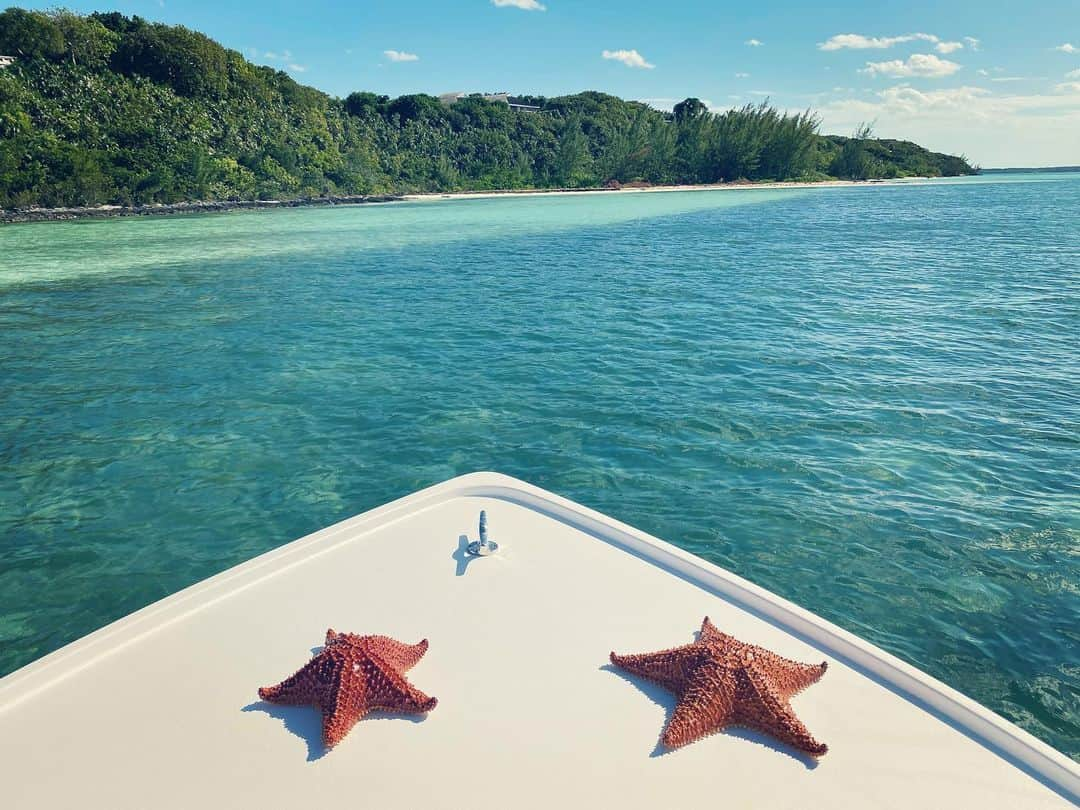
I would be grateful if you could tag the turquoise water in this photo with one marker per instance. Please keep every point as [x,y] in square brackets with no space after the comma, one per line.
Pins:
[865,399]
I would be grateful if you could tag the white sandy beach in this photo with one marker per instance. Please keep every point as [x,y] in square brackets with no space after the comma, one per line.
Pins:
[480,195]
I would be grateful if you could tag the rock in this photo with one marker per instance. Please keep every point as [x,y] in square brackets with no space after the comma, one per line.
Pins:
[157,209]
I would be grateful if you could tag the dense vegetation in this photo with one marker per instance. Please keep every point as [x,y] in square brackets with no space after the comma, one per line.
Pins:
[111,109]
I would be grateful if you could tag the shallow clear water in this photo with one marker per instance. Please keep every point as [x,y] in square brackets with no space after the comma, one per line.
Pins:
[865,399]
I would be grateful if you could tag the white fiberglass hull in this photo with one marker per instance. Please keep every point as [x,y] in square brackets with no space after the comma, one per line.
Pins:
[160,709]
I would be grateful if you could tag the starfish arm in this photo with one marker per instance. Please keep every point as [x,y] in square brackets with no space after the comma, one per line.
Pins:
[401,657]
[766,711]
[709,631]
[412,701]
[792,677]
[391,691]
[669,668]
[786,676]
[299,689]
[707,706]
[345,711]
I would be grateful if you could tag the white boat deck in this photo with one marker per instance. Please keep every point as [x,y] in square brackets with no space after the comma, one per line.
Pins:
[160,709]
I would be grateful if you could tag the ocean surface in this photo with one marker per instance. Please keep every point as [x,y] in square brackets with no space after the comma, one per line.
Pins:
[865,399]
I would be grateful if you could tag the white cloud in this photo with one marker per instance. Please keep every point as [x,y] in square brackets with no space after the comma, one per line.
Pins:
[1007,129]
[1009,79]
[978,102]
[401,56]
[524,5]
[762,93]
[754,43]
[859,42]
[629,58]
[1073,74]
[296,68]
[1068,47]
[983,72]
[922,65]
[742,75]
[904,98]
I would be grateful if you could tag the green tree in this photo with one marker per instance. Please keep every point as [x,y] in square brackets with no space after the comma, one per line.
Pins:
[689,109]
[570,167]
[190,63]
[86,41]
[788,148]
[415,108]
[366,104]
[110,108]
[854,161]
[30,34]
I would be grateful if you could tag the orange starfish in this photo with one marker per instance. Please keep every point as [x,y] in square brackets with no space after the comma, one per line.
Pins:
[721,681]
[352,676]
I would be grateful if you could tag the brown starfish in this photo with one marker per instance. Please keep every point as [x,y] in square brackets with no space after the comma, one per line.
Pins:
[721,681]
[352,676]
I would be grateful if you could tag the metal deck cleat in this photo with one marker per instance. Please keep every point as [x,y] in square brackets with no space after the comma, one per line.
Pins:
[482,547]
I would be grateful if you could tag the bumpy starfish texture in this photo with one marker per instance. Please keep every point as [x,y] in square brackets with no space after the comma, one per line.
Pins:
[721,681]
[352,676]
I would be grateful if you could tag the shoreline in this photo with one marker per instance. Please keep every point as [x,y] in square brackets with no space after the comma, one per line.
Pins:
[221,206]
[429,196]
[12,215]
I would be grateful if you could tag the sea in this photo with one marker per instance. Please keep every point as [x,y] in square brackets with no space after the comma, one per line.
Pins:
[865,399]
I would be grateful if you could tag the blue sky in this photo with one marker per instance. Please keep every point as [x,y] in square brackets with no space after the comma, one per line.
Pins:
[997,80]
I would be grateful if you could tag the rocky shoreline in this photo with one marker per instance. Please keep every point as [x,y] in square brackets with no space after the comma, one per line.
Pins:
[162,209]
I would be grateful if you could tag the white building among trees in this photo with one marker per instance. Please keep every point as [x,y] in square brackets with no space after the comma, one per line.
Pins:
[449,99]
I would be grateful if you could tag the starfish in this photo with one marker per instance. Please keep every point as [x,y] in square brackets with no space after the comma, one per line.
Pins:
[721,681]
[350,677]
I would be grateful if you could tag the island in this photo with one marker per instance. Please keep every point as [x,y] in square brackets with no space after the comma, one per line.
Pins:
[130,115]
